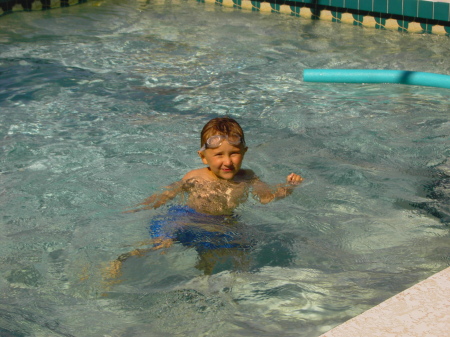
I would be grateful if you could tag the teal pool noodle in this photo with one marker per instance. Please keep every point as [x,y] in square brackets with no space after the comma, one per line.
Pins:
[376,76]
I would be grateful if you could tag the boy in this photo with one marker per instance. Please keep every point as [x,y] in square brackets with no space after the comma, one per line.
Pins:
[222,185]
[212,193]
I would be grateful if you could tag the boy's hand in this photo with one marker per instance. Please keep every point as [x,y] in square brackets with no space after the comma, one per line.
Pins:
[294,179]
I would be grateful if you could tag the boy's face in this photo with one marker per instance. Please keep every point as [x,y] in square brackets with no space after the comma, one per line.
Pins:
[224,161]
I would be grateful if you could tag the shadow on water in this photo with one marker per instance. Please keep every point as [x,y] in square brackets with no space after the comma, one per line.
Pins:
[21,323]
[29,79]
[9,333]
[438,193]
[22,78]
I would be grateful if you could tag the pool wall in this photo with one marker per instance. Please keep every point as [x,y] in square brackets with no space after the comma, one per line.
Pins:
[7,6]
[414,16]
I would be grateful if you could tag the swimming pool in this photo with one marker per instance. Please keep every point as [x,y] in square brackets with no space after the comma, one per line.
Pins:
[102,106]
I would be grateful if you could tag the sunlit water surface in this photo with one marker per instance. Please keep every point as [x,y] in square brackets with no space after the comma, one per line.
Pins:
[101,105]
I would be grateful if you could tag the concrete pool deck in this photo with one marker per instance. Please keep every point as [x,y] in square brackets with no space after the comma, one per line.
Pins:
[422,310]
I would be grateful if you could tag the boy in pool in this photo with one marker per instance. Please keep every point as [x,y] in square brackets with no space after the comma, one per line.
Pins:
[212,192]
[222,185]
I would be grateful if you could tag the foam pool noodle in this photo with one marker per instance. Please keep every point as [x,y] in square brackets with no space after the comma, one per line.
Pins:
[376,76]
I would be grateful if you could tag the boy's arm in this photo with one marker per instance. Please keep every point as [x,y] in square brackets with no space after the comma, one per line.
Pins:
[158,199]
[266,193]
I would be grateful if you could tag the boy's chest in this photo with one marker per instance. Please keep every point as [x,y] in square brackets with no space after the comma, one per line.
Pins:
[232,193]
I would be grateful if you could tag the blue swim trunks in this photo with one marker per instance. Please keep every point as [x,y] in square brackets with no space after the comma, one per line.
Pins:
[201,231]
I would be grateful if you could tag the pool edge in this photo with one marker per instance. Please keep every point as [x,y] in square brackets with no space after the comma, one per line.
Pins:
[414,22]
[409,16]
[421,310]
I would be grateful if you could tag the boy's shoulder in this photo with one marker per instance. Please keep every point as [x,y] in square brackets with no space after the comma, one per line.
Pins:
[197,173]
[203,173]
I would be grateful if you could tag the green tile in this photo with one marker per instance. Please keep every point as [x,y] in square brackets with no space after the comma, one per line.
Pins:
[337,3]
[425,9]
[358,19]
[427,28]
[395,7]
[275,8]
[380,6]
[403,25]
[352,4]
[410,8]
[366,5]
[441,11]
[256,5]
[315,14]
[309,2]
[237,3]
[295,10]
[337,16]
[322,2]
[380,23]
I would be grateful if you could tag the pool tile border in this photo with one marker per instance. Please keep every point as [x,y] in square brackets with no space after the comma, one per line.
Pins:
[413,16]
[8,6]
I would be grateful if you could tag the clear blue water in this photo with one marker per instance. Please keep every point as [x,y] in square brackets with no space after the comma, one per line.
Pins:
[101,105]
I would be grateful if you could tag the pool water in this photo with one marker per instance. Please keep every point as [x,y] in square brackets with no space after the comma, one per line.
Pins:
[101,105]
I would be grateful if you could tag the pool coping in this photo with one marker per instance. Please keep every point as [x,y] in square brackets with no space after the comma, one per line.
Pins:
[422,310]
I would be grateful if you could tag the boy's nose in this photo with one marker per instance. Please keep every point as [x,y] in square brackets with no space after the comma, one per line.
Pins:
[227,161]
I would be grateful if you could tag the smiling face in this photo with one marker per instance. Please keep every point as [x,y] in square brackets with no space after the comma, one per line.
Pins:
[224,161]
